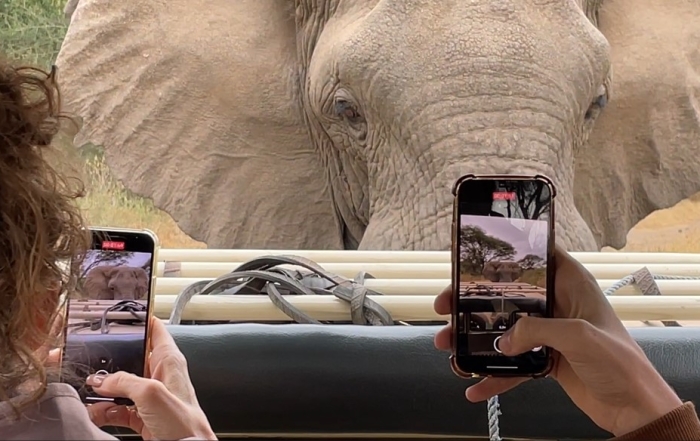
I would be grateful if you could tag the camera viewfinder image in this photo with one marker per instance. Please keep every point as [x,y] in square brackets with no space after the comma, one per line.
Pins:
[111,304]
[502,274]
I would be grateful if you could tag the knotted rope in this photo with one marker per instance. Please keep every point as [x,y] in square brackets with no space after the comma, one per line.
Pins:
[260,276]
[136,309]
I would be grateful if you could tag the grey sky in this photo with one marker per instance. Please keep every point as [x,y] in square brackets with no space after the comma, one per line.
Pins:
[526,236]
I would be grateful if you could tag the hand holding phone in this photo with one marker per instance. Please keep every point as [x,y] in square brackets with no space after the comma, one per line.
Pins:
[503,242]
[597,363]
[166,401]
[107,320]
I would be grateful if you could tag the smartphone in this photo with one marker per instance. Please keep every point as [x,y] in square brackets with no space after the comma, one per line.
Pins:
[502,254]
[107,318]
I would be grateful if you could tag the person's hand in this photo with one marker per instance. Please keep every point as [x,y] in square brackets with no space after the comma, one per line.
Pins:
[596,361]
[166,403]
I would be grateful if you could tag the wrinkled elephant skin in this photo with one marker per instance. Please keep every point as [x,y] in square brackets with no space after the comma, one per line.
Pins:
[327,124]
[502,271]
[116,283]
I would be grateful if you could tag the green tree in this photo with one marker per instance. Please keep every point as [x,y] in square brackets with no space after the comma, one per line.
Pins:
[531,262]
[477,248]
[116,258]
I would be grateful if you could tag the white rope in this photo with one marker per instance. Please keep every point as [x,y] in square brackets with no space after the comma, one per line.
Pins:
[493,406]
[494,411]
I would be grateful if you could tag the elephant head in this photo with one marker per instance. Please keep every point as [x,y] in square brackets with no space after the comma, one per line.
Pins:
[331,124]
[116,283]
[502,271]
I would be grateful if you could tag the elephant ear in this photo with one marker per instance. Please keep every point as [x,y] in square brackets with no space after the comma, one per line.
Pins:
[196,103]
[642,154]
[515,269]
[96,280]
[490,271]
[142,282]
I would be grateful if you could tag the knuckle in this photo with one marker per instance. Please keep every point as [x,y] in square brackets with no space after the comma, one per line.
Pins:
[174,360]
[522,327]
[153,388]
[119,378]
[582,327]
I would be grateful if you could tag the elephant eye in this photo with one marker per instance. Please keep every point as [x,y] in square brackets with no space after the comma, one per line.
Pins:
[356,125]
[346,110]
[598,103]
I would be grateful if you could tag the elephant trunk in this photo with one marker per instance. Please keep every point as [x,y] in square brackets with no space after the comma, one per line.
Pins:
[477,97]
[425,222]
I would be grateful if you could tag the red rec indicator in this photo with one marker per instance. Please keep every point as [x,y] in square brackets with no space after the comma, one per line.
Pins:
[113,245]
[504,196]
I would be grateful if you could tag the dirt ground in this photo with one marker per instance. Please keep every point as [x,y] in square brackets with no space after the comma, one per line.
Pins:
[673,230]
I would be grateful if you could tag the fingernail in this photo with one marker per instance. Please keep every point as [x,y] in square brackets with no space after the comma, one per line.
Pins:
[97,378]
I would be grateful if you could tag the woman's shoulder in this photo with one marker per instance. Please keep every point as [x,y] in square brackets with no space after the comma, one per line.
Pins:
[59,414]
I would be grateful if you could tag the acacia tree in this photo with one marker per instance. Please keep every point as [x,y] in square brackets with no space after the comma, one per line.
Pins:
[531,203]
[531,262]
[477,248]
[107,257]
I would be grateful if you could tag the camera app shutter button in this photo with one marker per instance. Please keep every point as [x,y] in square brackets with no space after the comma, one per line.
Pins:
[495,344]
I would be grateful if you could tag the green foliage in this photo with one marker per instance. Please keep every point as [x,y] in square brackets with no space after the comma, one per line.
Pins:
[31,31]
[532,261]
[477,248]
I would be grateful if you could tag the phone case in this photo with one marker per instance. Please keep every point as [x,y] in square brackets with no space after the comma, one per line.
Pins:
[455,275]
[149,312]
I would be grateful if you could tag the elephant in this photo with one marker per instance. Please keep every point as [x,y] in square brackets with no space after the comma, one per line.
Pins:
[109,282]
[69,9]
[343,124]
[502,271]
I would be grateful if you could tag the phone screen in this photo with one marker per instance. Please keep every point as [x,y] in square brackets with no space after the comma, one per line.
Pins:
[504,245]
[107,317]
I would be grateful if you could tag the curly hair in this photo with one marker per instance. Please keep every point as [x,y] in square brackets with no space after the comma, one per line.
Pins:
[42,234]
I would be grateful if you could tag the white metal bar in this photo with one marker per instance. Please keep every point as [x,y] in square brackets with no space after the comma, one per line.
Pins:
[338,256]
[408,287]
[205,270]
[404,308]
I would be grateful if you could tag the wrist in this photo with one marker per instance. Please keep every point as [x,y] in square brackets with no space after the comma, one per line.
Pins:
[203,436]
[654,404]
[206,433]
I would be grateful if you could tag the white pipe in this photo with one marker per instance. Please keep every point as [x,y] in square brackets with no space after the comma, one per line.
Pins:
[418,287]
[403,308]
[338,256]
[204,270]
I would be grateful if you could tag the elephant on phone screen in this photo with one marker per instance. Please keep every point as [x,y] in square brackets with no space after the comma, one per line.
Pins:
[502,271]
[116,283]
[331,124]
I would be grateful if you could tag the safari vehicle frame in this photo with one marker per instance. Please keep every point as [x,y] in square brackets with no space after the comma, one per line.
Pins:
[299,381]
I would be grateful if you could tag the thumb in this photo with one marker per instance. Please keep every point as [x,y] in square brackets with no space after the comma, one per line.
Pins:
[53,359]
[142,391]
[562,335]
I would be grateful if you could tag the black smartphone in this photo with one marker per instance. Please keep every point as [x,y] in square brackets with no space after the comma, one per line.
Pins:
[502,254]
[107,318]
